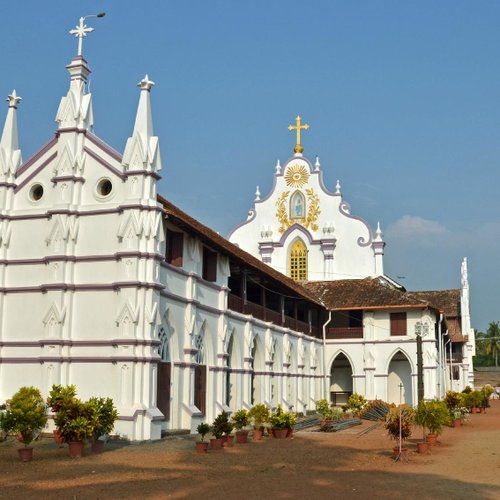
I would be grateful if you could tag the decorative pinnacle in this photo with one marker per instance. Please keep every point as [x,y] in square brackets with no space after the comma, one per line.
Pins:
[82,29]
[378,232]
[13,100]
[278,167]
[317,164]
[337,187]
[257,194]
[146,83]
[298,127]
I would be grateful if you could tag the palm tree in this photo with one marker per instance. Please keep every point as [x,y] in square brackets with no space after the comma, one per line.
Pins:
[490,341]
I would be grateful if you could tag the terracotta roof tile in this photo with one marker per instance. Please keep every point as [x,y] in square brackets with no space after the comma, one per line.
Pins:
[367,293]
[447,301]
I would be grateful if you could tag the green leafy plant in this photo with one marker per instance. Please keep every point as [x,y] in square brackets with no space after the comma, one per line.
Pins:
[476,399]
[203,429]
[487,391]
[105,414]
[240,419]
[355,403]
[60,396]
[76,421]
[453,399]
[432,415]
[281,419]
[220,425]
[324,409]
[259,415]
[25,414]
[392,421]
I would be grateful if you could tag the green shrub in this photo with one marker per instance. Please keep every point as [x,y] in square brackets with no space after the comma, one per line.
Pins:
[240,419]
[432,415]
[324,408]
[259,415]
[355,403]
[407,416]
[203,429]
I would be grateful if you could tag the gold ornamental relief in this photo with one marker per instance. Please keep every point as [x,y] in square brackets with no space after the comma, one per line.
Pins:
[296,176]
[313,211]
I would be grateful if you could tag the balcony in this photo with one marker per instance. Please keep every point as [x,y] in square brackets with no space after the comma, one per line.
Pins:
[351,332]
[258,311]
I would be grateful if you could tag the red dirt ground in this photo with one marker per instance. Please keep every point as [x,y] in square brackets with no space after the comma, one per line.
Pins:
[311,465]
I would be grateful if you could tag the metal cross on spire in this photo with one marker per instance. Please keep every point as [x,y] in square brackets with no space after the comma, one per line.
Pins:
[298,127]
[82,29]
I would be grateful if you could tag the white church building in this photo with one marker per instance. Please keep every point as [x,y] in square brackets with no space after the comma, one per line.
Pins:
[107,285]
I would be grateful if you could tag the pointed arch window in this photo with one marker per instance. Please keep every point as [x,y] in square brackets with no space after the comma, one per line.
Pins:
[297,206]
[297,261]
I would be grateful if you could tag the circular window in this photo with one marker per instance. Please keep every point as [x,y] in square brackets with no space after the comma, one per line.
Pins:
[36,192]
[104,187]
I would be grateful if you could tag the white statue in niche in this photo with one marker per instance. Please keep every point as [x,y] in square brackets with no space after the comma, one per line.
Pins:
[297,206]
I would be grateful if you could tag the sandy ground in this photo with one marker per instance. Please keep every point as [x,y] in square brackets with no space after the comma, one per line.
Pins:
[311,465]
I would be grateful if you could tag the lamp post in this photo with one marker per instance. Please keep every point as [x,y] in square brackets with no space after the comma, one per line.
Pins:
[421,330]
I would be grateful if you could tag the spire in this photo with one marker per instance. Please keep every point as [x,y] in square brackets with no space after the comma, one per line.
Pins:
[278,167]
[378,233]
[10,155]
[337,187]
[257,194]
[75,109]
[141,150]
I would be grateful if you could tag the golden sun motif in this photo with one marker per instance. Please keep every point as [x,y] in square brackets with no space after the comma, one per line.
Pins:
[296,176]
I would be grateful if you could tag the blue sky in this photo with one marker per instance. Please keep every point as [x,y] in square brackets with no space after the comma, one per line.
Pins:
[403,99]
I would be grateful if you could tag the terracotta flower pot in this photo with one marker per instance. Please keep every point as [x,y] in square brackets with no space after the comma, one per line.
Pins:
[25,454]
[280,433]
[75,449]
[201,447]
[58,439]
[431,439]
[457,422]
[423,448]
[474,410]
[482,409]
[257,434]
[216,443]
[241,437]
[404,452]
[228,441]
[289,432]
[97,446]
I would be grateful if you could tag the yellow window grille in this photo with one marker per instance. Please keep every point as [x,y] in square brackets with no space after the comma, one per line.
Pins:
[298,261]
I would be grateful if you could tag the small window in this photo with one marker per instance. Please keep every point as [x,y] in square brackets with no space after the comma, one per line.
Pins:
[456,373]
[209,272]
[104,187]
[175,248]
[297,206]
[398,323]
[36,192]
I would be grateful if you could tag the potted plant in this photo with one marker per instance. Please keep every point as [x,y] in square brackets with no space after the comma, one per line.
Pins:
[106,415]
[476,399]
[241,420]
[203,429]
[398,422]
[76,422]
[259,415]
[58,397]
[432,415]
[355,403]
[324,409]
[25,415]
[228,438]
[218,428]
[486,392]
[279,421]
[291,419]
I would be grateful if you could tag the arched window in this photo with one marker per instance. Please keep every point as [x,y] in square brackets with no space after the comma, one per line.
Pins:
[297,261]
[297,206]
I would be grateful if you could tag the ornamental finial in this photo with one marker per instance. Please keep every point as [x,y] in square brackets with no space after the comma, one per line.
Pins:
[13,100]
[298,127]
[82,29]
[146,83]
[257,194]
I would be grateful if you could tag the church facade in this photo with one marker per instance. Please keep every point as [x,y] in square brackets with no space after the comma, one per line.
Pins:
[107,285]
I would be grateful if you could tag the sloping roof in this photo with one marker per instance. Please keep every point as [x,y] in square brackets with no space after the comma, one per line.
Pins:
[219,243]
[447,301]
[367,293]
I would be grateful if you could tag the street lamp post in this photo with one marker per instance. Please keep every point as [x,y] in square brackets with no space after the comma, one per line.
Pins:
[421,330]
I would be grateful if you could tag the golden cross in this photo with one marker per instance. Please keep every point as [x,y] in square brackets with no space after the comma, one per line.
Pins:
[298,127]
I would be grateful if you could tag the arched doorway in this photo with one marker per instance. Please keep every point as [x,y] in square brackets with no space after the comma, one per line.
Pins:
[164,375]
[399,373]
[340,380]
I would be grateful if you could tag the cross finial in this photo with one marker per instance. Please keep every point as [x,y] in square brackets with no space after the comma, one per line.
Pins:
[146,83]
[82,29]
[298,127]
[13,100]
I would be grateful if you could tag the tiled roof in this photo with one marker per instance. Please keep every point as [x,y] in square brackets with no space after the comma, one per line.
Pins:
[367,293]
[447,301]
[219,243]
